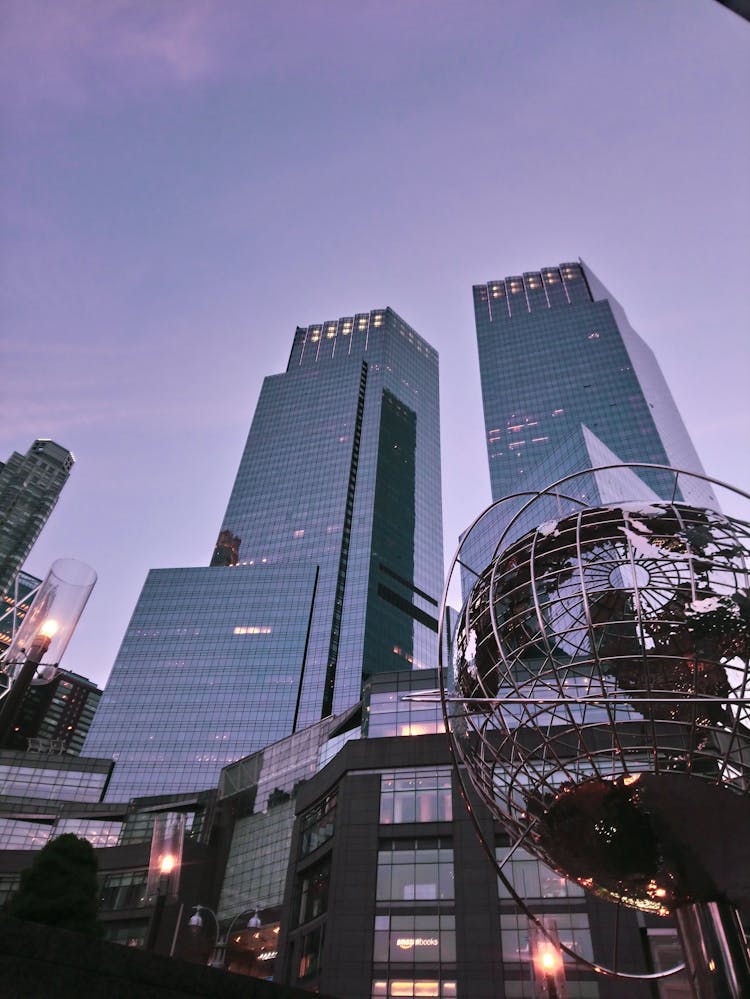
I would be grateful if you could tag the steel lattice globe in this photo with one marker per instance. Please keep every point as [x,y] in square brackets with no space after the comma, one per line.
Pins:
[598,693]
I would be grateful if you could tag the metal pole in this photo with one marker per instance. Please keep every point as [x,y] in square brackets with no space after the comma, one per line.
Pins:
[11,703]
[716,952]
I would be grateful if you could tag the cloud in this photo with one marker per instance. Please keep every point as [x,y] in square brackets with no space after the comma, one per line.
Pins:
[74,53]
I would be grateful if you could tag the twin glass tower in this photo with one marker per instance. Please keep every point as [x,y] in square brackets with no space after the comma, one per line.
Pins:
[328,566]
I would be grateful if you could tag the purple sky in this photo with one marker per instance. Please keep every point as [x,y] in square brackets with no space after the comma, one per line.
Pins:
[185,181]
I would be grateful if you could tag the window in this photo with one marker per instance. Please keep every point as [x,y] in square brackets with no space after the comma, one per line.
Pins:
[422,795]
[311,953]
[389,714]
[414,939]
[126,890]
[525,989]
[318,824]
[395,988]
[415,871]
[313,896]
[572,928]
[131,934]
[666,952]
[533,879]
[9,884]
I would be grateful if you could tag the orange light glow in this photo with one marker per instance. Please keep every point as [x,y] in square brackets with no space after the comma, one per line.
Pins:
[548,960]
[167,864]
[49,628]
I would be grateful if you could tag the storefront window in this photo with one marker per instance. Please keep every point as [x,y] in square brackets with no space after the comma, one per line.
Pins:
[413,988]
[415,870]
[533,879]
[414,939]
[422,795]
[527,989]
[572,928]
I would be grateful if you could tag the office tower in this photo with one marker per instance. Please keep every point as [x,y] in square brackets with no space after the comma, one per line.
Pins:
[342,469]
[14,605]
[327,568]
[567,384]
[55,716]
[29,488]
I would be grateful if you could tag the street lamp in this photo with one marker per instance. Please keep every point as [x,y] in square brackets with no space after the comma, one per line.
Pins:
[549,969]
[221,941]
[44,634]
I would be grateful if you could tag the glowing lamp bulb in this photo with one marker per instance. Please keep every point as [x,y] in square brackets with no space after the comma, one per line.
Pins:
[166,865]
[548,960]
[49,628]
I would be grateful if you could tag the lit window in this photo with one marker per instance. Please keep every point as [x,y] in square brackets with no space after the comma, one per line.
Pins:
[572,927]
[593,336]
[413,988]
[414,939]
[299,534]
[421,795]
[533,879]
[252,629]
[415,871]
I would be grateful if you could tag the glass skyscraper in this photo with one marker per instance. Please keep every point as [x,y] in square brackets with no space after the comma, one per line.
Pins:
[327,568]
[30,485]
[568,384]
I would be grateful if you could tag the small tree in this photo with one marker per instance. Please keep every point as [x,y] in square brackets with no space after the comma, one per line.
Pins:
[60,887]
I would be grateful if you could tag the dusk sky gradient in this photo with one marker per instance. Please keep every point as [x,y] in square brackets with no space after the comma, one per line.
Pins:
[185,181]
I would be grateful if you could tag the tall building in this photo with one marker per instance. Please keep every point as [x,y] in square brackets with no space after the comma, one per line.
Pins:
[567,384]
[30,485]
[55,716]
[14,605]
[327,569]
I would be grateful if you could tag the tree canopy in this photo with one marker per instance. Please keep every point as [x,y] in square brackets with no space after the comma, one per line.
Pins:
[60,888]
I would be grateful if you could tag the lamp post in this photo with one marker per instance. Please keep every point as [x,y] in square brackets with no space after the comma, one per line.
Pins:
[549,969]
[166,867]
[221,941]
[44,633]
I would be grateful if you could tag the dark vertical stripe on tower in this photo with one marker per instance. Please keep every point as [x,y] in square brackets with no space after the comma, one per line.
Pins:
[338,606]
[304,653]
[389,624]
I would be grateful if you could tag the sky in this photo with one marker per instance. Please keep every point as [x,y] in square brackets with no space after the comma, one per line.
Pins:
[186,181]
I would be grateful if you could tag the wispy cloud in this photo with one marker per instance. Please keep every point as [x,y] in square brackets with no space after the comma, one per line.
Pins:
[73,53]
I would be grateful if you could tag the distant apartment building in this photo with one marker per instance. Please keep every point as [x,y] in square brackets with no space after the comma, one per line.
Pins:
[30,486]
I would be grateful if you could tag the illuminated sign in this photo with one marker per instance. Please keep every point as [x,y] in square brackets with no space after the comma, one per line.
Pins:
[406,943]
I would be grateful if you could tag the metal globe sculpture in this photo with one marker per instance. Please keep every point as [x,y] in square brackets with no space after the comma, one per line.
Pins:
[598,691]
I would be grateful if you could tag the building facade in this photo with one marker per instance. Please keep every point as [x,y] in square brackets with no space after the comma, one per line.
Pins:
[327,568]
[57,715]
[30,485]
[14,605]
[567,382]
[342,469]
[390,894]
